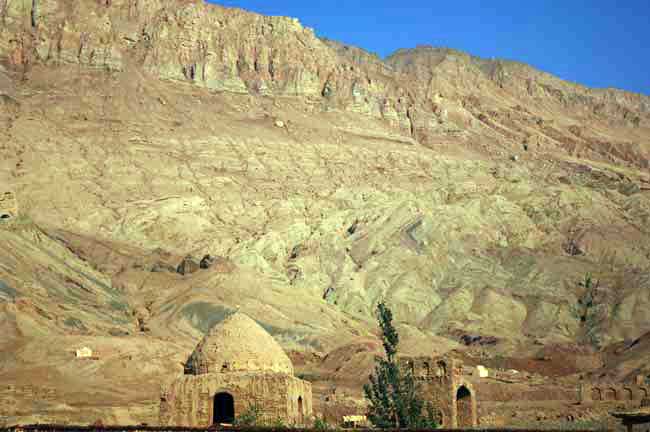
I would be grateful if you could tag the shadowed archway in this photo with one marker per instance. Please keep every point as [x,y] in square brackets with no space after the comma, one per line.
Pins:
[301,412]
[223,410]
[441,369]
[628,394]
[610,394]
[464,407]
[596,394]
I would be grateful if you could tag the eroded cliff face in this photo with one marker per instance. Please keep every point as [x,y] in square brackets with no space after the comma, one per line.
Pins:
[424,92]
[209,46]
[473,196]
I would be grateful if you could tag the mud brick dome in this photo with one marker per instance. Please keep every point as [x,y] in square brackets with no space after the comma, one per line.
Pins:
[237,365]
[238,344]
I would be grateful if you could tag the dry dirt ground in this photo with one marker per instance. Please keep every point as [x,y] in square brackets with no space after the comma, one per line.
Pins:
[474,205]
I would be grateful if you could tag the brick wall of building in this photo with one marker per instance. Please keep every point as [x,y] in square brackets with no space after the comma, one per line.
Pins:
[189,401]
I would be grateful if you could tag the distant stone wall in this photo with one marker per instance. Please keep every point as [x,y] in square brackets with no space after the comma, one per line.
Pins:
[495,390]
[142,428]
[10,394]
[84,428]
[606,392]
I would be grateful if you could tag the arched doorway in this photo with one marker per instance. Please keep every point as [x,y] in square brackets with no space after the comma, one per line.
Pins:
[464,407]
[628,395]
[301,412]
[596,395]
[426,369]
[442,369]
[223,410]
[610,394]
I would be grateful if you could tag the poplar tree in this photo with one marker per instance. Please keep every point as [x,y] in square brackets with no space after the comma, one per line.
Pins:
[393,394]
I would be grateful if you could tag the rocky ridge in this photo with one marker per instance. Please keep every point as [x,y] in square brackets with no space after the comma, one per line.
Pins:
[474,196]
[420,91]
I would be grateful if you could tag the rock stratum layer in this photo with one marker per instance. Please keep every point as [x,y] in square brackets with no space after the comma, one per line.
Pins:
[473,196]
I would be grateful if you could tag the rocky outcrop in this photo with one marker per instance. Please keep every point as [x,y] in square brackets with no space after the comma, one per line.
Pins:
[420,93]
[188,266]
[464,75]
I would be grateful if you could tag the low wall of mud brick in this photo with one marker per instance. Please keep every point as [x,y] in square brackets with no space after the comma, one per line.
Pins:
[141,428]
[10,394]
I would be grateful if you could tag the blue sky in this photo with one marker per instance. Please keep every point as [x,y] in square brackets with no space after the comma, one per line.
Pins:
[597,43]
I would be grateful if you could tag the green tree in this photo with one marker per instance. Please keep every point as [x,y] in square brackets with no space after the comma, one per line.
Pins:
[320,424]
[393,394]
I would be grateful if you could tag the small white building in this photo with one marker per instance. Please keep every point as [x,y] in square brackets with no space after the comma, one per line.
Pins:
[482,371]
[355,421]
[84,352]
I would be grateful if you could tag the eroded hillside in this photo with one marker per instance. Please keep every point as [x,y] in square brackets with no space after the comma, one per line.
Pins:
[473,196]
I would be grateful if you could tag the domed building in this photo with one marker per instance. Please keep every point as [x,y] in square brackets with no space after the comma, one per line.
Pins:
[236,366]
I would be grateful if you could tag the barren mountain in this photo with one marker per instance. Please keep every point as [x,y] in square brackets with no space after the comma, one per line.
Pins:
[474,196]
